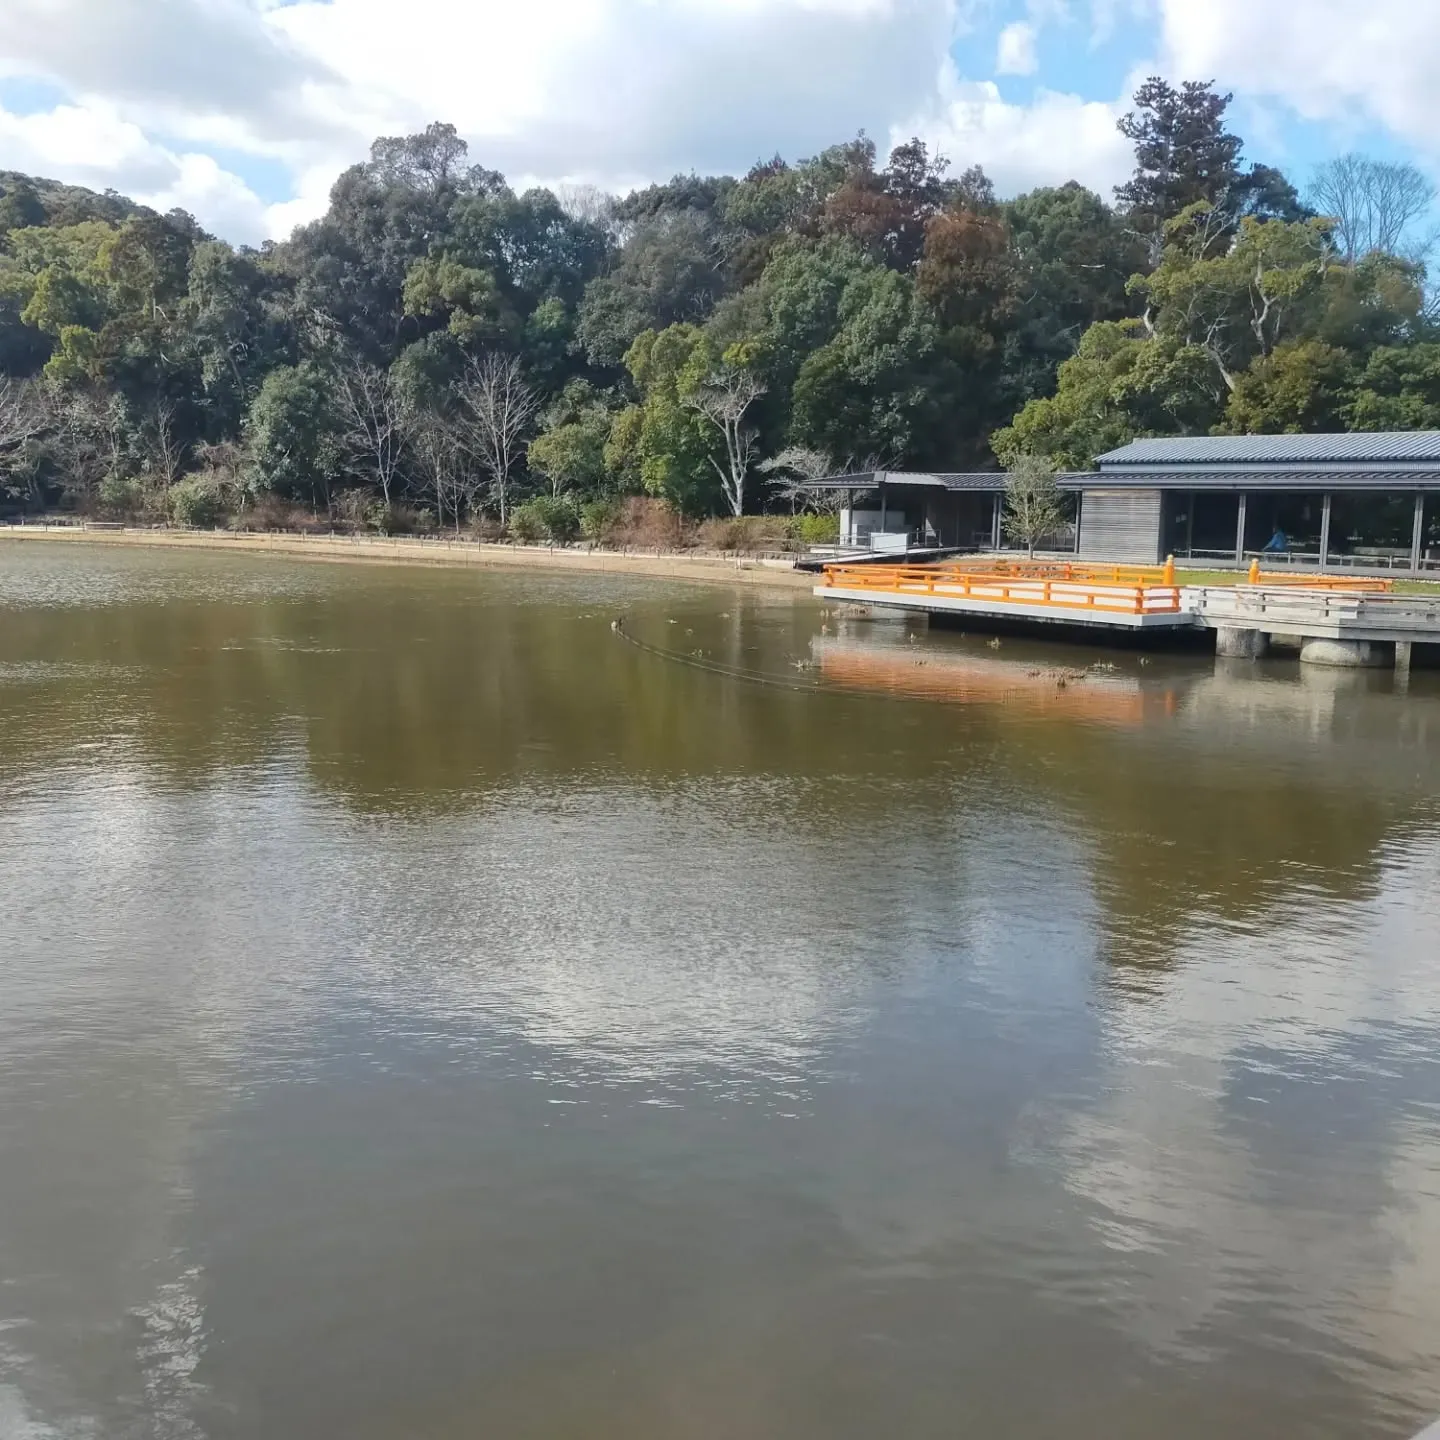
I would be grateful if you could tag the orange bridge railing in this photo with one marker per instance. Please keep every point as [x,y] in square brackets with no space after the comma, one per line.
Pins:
[1112,590]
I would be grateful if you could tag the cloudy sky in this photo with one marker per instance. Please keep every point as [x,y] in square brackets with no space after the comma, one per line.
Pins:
[244,111]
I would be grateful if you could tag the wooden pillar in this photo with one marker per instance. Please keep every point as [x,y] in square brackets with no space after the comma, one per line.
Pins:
[1325,531]
[995,522]
[1240,532]
[1190,527]
[1417,537]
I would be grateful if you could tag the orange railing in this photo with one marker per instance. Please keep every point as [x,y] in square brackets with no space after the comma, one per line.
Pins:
[1067,570]
[1113,591]
[1068,585]
[1355,584]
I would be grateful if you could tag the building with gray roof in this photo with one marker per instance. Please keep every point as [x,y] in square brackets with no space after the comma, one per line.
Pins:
[1359,501]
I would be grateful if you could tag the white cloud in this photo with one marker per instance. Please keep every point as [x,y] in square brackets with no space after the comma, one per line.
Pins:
[611,91]
[1015,53]
[91,145]
[593,90]
[1348,62]
[595,87]
[1047,142]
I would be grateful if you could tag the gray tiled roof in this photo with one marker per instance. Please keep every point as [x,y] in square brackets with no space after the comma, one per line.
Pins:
[1263,477]
[1375,446]
[941,480]
[991,481]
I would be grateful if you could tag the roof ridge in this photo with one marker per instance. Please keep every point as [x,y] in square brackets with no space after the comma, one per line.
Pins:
[1326,448]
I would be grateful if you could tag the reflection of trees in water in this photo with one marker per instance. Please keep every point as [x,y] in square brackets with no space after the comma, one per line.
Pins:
[1279,1161]
[1196,794]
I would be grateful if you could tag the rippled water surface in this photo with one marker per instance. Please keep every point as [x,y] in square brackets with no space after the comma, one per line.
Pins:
[425,1012]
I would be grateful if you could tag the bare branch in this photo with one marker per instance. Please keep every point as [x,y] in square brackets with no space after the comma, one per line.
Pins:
[23,419]
[1374,204]
[21,414]
[165,452]
[437,453]
[378,424]
[494,410]
[588,204]
[87,438]
[723,400]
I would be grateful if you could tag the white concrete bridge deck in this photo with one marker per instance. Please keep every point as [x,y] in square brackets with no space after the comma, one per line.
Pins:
[1321,614]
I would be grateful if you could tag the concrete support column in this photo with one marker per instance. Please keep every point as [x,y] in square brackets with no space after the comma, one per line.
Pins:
[1325,531]
[1233,642]
[1240,533]
[1417,537]
[1342,654]
[1404,651]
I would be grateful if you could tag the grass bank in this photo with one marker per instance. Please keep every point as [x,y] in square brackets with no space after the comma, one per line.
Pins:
[1235,577]
[455,554]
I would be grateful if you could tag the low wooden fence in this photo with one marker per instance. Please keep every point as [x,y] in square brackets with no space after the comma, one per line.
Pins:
[1114,591]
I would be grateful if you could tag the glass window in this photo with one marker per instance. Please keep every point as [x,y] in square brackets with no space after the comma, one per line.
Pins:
[1377,527]
[1283,522]
[1216,520]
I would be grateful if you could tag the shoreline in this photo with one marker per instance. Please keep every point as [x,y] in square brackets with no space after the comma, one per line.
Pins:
[449,554]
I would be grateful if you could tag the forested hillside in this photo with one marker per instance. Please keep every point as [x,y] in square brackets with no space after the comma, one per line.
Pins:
[439,348]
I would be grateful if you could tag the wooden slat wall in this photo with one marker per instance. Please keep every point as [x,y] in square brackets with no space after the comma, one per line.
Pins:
[1121,525]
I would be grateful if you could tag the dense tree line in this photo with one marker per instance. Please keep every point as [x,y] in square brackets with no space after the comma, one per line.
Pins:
[440,346]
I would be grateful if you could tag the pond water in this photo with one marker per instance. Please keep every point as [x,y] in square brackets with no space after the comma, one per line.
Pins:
[426,1011]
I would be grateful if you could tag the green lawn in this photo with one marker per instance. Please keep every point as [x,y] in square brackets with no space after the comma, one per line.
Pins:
[1235,577]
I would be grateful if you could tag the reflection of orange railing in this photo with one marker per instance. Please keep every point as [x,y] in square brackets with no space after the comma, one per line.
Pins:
[1112,590]
[1075,694]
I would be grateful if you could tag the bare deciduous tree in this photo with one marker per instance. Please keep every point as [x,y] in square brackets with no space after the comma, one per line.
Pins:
[165,451]
[21,415]
[1374,204]
[1034,506]
[378,423]
[224,465]
[794,470]
[587,203]
[22,420]
[798,467]
[494,410]
[87,439]
[724,400]
[437,453]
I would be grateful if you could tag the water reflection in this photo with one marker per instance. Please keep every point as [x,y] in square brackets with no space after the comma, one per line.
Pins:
[428,1014]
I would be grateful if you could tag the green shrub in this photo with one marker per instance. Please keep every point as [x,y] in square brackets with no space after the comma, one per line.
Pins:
[381,518]
[195,503]
[526,524]
[120,498]
[546,517]
[560,516]
[393,519]
[598,519]
[807,530]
